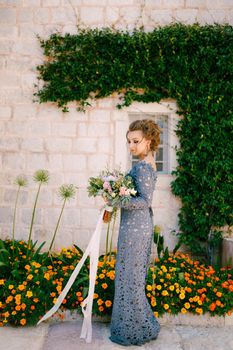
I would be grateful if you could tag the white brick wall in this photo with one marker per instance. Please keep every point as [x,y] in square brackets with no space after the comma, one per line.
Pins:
[72,146]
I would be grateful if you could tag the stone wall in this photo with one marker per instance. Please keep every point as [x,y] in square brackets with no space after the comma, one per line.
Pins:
[71,146]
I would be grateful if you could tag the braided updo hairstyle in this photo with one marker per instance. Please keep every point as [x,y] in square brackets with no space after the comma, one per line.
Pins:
[150,130]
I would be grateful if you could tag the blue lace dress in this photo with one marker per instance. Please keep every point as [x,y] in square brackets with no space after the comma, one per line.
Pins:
[133,321]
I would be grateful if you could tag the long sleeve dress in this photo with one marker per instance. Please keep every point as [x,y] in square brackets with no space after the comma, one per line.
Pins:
[133,321]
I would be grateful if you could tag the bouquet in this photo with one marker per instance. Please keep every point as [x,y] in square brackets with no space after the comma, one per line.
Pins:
[115,188]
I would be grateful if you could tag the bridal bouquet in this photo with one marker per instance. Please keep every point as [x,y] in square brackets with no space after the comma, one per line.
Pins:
[115,187]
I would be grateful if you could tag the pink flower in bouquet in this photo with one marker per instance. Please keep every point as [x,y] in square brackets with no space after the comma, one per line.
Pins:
[124,191]
[107,186]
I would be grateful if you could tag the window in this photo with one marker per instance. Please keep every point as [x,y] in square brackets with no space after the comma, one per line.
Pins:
[161,156]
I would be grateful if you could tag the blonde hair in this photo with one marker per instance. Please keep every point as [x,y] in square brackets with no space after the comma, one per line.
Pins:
[151,131]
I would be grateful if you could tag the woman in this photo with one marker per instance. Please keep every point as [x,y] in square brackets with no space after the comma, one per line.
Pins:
[133,321]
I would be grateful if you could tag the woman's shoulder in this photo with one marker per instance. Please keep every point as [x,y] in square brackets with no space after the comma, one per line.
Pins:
[144,166]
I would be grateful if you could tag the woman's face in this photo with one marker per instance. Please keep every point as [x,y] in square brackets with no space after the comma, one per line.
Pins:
[137,143]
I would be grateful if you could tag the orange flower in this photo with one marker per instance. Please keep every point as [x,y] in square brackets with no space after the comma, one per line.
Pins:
[218,302]
[104,285]
[219,294]
[108,303]
[101,308]
[21,287]
[23,321]
[212,306]
[100,302]
[95,296]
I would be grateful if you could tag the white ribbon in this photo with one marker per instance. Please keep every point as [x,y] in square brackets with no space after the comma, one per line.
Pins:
[93,251]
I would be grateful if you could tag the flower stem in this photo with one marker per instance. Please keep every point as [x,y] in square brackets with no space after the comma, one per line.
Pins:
[33,216]
[58,222]
[14,218]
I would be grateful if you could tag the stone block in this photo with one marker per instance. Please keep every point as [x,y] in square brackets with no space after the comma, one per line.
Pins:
[112,14]
[74,162]
[16,128]
[122,3]
[25,15]
[6,214]
[8,31]
[26,47]
[186,16]
[37,161]
[99,115]
[9,196]
[98,129]
[130,13]
[98,162]
[9,144]
[8,15]
[85,145]
[51,3]
[13,161]
[58,145]
[105,145]
[27,31]
[163,17]
[28,81]
[38,128]
[174,4]
[26,216]
[82,130]
[154,3]
[83,199]
[63,16]
[50,217]
[6,46]
[33,144]
[92,15]
[5,112]
[8,80]
[196,4]
[89,218]
[78,179]
[42,16]
[8,3]
[209,17]
[31,3]
[24,111]
[227,251]
[63,129]
[71,217]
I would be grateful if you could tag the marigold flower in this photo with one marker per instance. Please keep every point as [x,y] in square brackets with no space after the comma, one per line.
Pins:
[6,314]
[166,306]
[47,276]
[13,313]
[199,310]
[30,277]
[104,285]
[164,293]
[153,302]
[219,294]
[99,302]
[183,310]
[159,287]
[108,303]
[101,308]
[29,294]
[101,276]
[171,288]
[21,287]
[149,287]
[23,321]
[10,286]
[156,314]
[18,308]
[2,281]
[182,296]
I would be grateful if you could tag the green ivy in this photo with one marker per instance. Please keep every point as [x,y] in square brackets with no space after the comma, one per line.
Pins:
[192,64]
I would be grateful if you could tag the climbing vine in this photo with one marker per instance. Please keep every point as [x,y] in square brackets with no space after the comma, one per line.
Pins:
[192,64]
